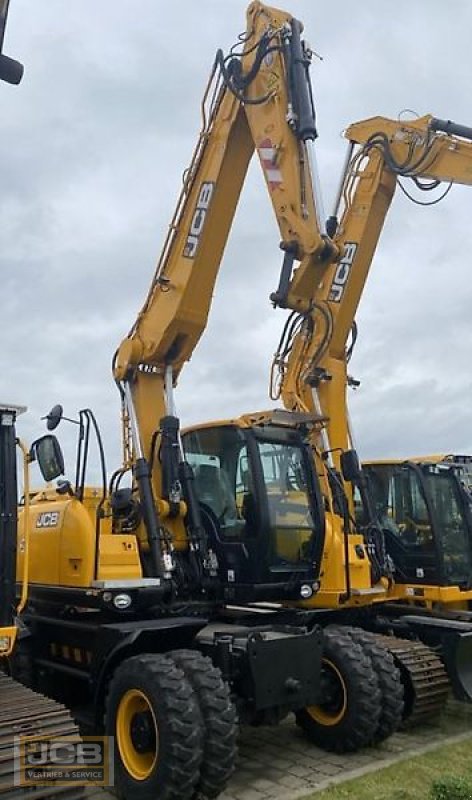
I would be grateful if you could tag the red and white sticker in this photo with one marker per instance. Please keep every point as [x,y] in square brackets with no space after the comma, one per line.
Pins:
[268,154]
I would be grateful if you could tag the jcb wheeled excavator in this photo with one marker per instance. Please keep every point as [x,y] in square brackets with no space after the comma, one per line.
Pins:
[311,368]
[128,614]
[143,591]
[22,711]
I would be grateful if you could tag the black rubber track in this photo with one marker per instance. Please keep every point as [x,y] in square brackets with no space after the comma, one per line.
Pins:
[219,720]
[178,719]
[424,677]
[389,678]
[360,721]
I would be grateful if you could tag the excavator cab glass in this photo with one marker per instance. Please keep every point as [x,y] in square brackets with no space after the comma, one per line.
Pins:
[453,521]
[426,519]
[259,503]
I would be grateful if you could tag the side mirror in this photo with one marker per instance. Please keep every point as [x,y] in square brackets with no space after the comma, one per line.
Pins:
[350,466]
[47,452]
[54,417]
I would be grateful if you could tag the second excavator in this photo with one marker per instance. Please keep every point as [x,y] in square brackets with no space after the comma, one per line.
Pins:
[310,371]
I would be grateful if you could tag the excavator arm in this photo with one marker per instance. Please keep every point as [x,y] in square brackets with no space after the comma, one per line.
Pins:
[259,99]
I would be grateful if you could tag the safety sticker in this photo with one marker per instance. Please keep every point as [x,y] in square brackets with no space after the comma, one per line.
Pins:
[268,155]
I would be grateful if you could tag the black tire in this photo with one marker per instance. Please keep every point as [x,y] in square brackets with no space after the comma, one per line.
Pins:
[219,720]
[348,715]
[390,683]
[153,714]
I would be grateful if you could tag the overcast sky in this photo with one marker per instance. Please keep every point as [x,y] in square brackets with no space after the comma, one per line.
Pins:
[93,145]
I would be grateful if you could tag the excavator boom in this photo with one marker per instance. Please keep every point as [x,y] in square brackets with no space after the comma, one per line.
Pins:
[258,99]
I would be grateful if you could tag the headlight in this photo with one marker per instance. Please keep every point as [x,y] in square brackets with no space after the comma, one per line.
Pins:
[122,601]
[305,591]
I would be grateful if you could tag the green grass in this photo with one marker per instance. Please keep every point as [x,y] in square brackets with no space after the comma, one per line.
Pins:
[407,780]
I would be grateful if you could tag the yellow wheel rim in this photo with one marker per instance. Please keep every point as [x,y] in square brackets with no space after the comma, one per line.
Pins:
[332,710]
[137,734]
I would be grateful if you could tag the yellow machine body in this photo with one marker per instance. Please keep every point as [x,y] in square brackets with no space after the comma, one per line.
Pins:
[62,543]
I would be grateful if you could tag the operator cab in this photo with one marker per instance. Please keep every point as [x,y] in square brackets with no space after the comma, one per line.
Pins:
[261,505]
[425,515]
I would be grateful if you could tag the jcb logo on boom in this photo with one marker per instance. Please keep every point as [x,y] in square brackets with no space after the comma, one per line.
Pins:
[198,219]
[48,519]
[342,272]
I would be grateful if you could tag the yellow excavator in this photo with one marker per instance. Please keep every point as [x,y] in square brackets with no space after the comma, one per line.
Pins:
[310,374]
[128,614]
[219,566]
[23,713]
